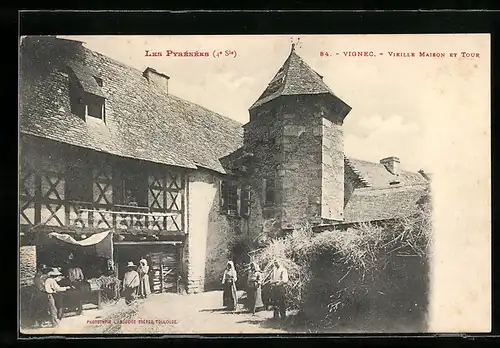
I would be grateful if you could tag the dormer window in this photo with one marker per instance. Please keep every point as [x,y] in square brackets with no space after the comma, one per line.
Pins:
[86,96]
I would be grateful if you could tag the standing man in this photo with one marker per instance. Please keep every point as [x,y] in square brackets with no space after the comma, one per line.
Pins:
[279,277]
[39,307]
[130,283]
[52,289]
[76,280]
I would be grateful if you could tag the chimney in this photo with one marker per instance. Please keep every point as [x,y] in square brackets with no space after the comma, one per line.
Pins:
[427,176]
[158,79]
[391,164]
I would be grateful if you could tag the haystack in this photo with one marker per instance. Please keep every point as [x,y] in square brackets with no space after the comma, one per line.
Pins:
[368,272]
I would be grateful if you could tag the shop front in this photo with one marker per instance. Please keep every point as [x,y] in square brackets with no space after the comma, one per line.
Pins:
[93,254]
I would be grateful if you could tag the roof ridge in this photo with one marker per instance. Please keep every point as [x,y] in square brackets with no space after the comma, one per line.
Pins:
[379,164]
[287,62]
[299,79]
[137,111]
[123,65]
[390,188]
[316,74]
[173,96]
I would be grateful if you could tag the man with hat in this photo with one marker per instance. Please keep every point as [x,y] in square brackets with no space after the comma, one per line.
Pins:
[52,288]
[279,277]
[78,282]
[130,283]
[38,307]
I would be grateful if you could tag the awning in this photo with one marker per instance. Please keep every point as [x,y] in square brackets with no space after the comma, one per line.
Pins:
[101,242]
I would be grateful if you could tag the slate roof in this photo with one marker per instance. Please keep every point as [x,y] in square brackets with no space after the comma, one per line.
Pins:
[141,120]
[85,77]
[295,77]
[376,175]
[144,122]
[377,199]
[371,204]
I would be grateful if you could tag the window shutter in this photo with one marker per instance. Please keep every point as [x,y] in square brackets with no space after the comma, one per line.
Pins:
[238,199]
[223,195]
[245,201]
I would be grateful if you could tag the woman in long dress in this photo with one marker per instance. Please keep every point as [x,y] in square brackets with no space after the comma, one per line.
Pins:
[229,297]
[144,286]
[254,290]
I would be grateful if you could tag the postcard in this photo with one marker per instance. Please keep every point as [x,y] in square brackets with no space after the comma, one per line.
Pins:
[254,184]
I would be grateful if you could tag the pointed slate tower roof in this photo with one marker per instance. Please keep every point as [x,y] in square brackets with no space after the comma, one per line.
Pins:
[295,77]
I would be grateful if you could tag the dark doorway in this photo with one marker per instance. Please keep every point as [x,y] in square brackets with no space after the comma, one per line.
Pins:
[163,260]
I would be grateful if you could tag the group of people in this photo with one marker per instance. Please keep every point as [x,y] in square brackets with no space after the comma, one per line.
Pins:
[277,280]
[49,284]
[136,281]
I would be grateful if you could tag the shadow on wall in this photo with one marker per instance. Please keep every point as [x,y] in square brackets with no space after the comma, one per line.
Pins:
[220,231]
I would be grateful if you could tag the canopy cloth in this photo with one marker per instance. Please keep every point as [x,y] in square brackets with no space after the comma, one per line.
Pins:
[101,242]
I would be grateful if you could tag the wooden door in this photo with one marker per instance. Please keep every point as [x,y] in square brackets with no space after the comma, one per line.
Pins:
[165,267]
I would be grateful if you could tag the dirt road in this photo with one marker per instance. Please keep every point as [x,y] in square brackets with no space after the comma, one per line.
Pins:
[170,314]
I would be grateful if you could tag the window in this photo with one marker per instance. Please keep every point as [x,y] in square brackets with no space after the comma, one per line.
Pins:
[79,184]
[223,196]
[269,191]
[234,199]
[95,106]
[132,190]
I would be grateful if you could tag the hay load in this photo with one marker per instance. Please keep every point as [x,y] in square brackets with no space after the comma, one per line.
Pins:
[369,273]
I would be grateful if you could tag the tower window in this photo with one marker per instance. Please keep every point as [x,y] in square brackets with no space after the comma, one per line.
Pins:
[269,191]
[234,198]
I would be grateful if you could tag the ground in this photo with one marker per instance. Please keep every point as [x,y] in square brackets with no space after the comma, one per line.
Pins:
[171,313]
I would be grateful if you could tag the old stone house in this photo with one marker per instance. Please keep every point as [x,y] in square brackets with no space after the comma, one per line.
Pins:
[104,146]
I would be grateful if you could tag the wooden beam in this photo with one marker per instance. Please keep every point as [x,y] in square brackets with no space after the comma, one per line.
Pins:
[160,242]
[128,213]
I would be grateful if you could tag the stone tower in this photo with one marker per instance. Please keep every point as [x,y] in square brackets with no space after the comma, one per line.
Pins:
[296,137]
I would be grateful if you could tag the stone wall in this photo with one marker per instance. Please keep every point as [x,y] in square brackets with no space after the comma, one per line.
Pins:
[332,161]
[27,264]
[299,140]
[264,139]
[301,167]
[206,250]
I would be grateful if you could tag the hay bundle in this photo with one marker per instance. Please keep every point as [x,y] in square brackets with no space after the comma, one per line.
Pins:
[288,252]
[338,275]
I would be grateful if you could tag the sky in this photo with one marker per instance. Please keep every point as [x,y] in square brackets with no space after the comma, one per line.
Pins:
[393,100]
